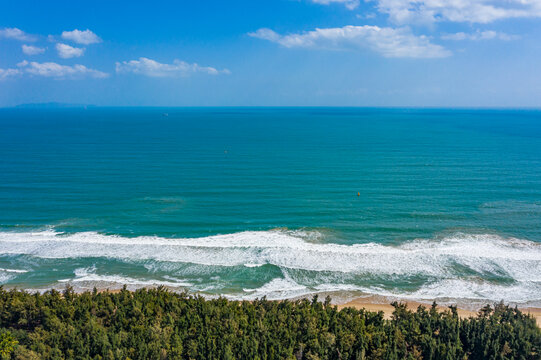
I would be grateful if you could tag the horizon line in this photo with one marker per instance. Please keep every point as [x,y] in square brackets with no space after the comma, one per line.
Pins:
[65,106]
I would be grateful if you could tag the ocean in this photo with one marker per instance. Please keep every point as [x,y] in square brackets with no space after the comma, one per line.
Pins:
[279,202]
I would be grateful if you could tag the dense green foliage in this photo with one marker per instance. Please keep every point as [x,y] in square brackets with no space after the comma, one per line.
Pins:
[158,324]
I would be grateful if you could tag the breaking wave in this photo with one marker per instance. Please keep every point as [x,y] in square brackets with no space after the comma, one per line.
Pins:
[465,266]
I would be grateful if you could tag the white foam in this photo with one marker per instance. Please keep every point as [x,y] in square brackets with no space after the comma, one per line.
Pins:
[287,288]
[252,265]
[5,278]
[9,274]
[13,271]
[88,275]
[279,288]
[483,256]
[468,291]
[483,253]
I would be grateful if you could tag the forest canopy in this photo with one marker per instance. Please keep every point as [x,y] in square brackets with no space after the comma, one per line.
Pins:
[159,324]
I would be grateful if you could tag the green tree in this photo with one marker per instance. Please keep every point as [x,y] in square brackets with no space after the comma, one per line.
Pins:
[7,344]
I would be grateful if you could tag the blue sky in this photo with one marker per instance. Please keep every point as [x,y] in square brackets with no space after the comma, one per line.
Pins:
[464,53]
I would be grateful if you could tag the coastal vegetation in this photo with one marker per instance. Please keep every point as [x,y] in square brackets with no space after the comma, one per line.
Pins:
[159,324]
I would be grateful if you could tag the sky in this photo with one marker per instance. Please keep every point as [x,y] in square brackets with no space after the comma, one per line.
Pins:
[427,53]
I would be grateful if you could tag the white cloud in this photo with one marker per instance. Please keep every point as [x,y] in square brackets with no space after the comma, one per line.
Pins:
[54,70]
[152,68]
[66,51]
[388,42]
[16,34]
[366,16]
[480,35]
[6,73]
[32,50]
[428,11]
[474,11]
[85,37]
[350,4]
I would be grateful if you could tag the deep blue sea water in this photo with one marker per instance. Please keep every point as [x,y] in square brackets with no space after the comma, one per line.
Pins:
[277,202]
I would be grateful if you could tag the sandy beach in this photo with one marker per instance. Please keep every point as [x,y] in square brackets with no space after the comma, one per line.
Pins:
[372,304]
[380,303]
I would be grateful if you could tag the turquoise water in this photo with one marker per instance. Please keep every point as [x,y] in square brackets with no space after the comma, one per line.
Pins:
[282,202]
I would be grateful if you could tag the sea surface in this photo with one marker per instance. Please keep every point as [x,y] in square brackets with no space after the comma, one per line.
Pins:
[278,202]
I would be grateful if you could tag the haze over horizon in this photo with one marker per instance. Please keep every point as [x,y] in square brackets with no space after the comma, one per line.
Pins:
[412,53]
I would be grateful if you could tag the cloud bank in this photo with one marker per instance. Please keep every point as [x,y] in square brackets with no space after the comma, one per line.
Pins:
[388,42]
[429,11]
[480,35]
[473,11]
[152,68]
[58,71]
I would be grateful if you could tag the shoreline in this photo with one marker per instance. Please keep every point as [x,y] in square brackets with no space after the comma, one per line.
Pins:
[374,303]
[154,323]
